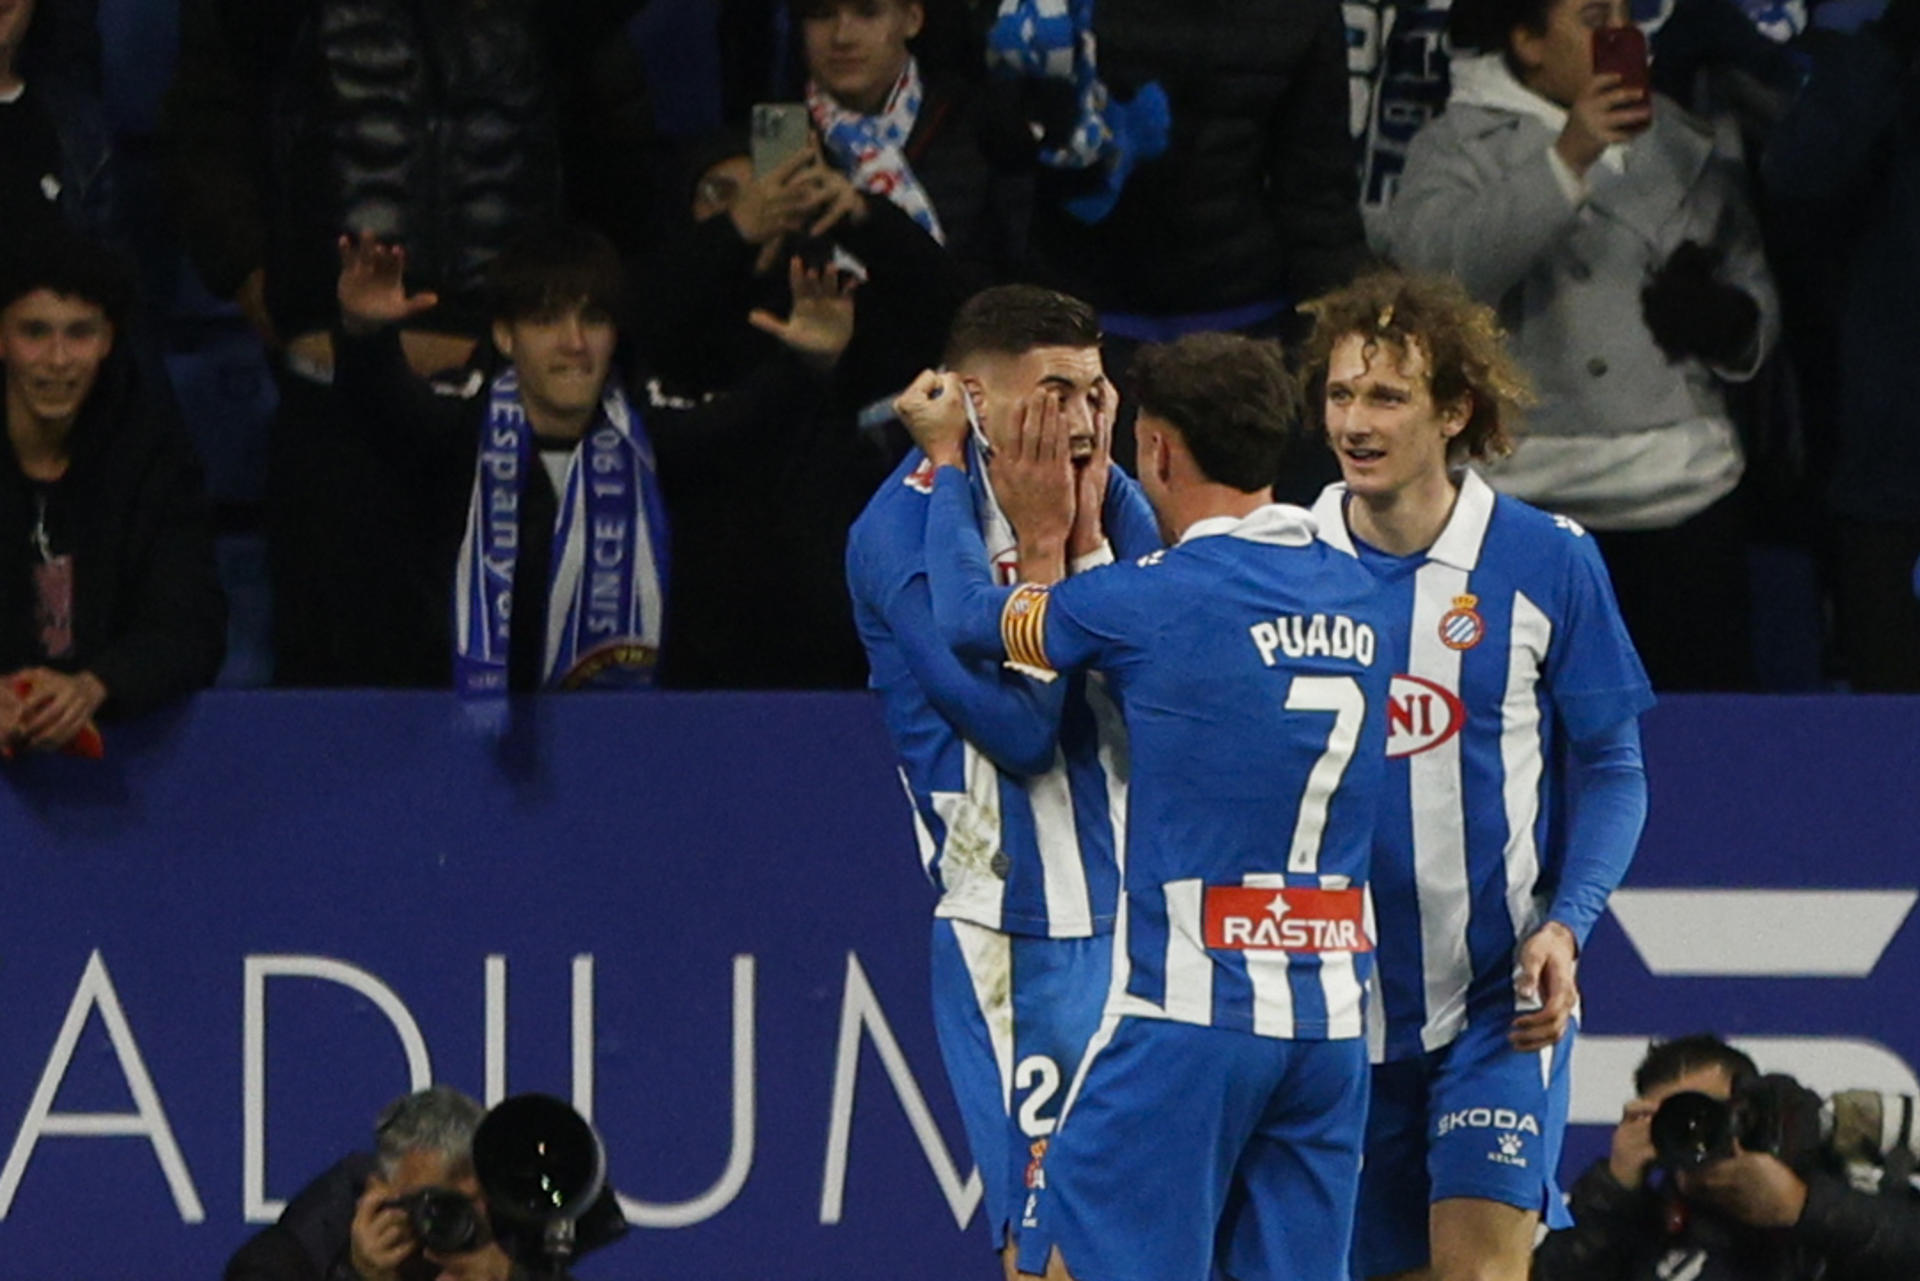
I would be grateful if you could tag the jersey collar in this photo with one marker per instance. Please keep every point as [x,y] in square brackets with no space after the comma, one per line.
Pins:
[1459,543]
[1280,524]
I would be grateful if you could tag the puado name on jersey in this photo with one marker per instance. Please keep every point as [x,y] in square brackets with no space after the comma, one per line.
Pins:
[1313,636]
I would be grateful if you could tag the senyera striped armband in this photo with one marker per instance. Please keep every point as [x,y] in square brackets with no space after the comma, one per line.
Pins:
[1023,630]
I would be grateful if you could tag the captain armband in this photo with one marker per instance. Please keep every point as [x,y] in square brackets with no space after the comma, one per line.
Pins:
[1023,631]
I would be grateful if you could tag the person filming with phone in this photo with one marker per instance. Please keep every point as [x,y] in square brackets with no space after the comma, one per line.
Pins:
[1718,1173]
[1614,234]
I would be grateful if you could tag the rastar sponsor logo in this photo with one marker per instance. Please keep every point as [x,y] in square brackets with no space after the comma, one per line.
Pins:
[1516,1123]
[1304,920]
[1420,715]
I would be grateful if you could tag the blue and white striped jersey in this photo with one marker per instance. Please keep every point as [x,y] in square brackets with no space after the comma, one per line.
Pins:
[1505,640]
[1245,661]
[1018,790]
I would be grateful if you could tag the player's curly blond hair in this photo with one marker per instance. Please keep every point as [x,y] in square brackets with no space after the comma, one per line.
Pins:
[1464,346]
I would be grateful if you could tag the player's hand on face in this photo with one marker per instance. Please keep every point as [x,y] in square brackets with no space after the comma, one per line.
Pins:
[1090,486]
[381,1238]
[1034,479]
[1756,1188]
[1632,1154]
[820,325]
[934,412]
[372,288]
[1545,974]
[1605,113]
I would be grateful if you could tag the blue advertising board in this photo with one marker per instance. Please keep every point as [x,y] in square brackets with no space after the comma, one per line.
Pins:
[701,919]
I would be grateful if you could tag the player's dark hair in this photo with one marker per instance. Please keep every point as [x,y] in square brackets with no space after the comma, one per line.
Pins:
[555,266]
[1668,1061]
[66,263]
[1232,399]
[1465,350]
[1486,26]
[1012,320]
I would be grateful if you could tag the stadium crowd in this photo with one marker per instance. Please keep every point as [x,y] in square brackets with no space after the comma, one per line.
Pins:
[1707,289]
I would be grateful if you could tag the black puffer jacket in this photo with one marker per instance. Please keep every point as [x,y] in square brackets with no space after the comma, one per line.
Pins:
[432,122]
[1256,196]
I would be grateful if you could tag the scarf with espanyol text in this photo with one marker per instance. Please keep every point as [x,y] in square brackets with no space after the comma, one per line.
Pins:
[606,584]
[873,149]
[1053,40]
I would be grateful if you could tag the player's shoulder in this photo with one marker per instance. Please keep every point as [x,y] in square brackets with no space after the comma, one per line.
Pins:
[900,500]
[1520,534]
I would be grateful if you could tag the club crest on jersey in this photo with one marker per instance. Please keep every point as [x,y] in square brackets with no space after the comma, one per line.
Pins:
[1420,715]
[920,479]
[1248,918]
[1462,627]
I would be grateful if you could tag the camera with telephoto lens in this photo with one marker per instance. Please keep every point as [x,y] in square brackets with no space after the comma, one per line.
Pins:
[444,1221]
[1774,1114]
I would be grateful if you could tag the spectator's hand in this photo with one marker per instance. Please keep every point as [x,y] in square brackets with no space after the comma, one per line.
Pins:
[778,202]
[1606,112]
[10,709]
[1546,966]
[933,410]
[821,323]
[373,293]
[251,298]
[840,201]
[1756,1188]
[1090,490]
[1034,481]
[57,707]
[1633,1154]
[1691,313]
[381,1239]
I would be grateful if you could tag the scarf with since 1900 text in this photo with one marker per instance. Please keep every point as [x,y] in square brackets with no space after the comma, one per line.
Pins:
[606,585]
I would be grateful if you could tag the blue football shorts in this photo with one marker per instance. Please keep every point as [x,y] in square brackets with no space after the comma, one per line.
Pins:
[1013,1015]
[1476,1118]
[1179,1140]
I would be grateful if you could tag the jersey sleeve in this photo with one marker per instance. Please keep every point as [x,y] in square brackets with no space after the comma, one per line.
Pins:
[1040,630]
[1607,807]
[1131,525]
[1016,722]
[1593,673]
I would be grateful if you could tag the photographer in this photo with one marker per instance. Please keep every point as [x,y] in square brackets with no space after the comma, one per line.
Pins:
[362,1219]
[1728,1211]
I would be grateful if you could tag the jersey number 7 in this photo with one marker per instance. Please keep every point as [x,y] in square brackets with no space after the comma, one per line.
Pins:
[1342,696]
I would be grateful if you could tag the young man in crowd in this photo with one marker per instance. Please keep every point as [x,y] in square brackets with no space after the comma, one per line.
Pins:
[1220,1105]
[540,470]
[1016,789]
[1516,692]
[109,601]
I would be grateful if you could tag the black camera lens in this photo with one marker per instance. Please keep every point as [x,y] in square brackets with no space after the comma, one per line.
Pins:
[1692,1129]
[444,1221]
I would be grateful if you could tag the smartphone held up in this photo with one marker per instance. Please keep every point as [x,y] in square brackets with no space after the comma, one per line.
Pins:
[1622,52]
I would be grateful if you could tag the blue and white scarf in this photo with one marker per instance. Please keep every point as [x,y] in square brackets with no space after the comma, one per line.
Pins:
[606,586]
[873,149]
[1053,40]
